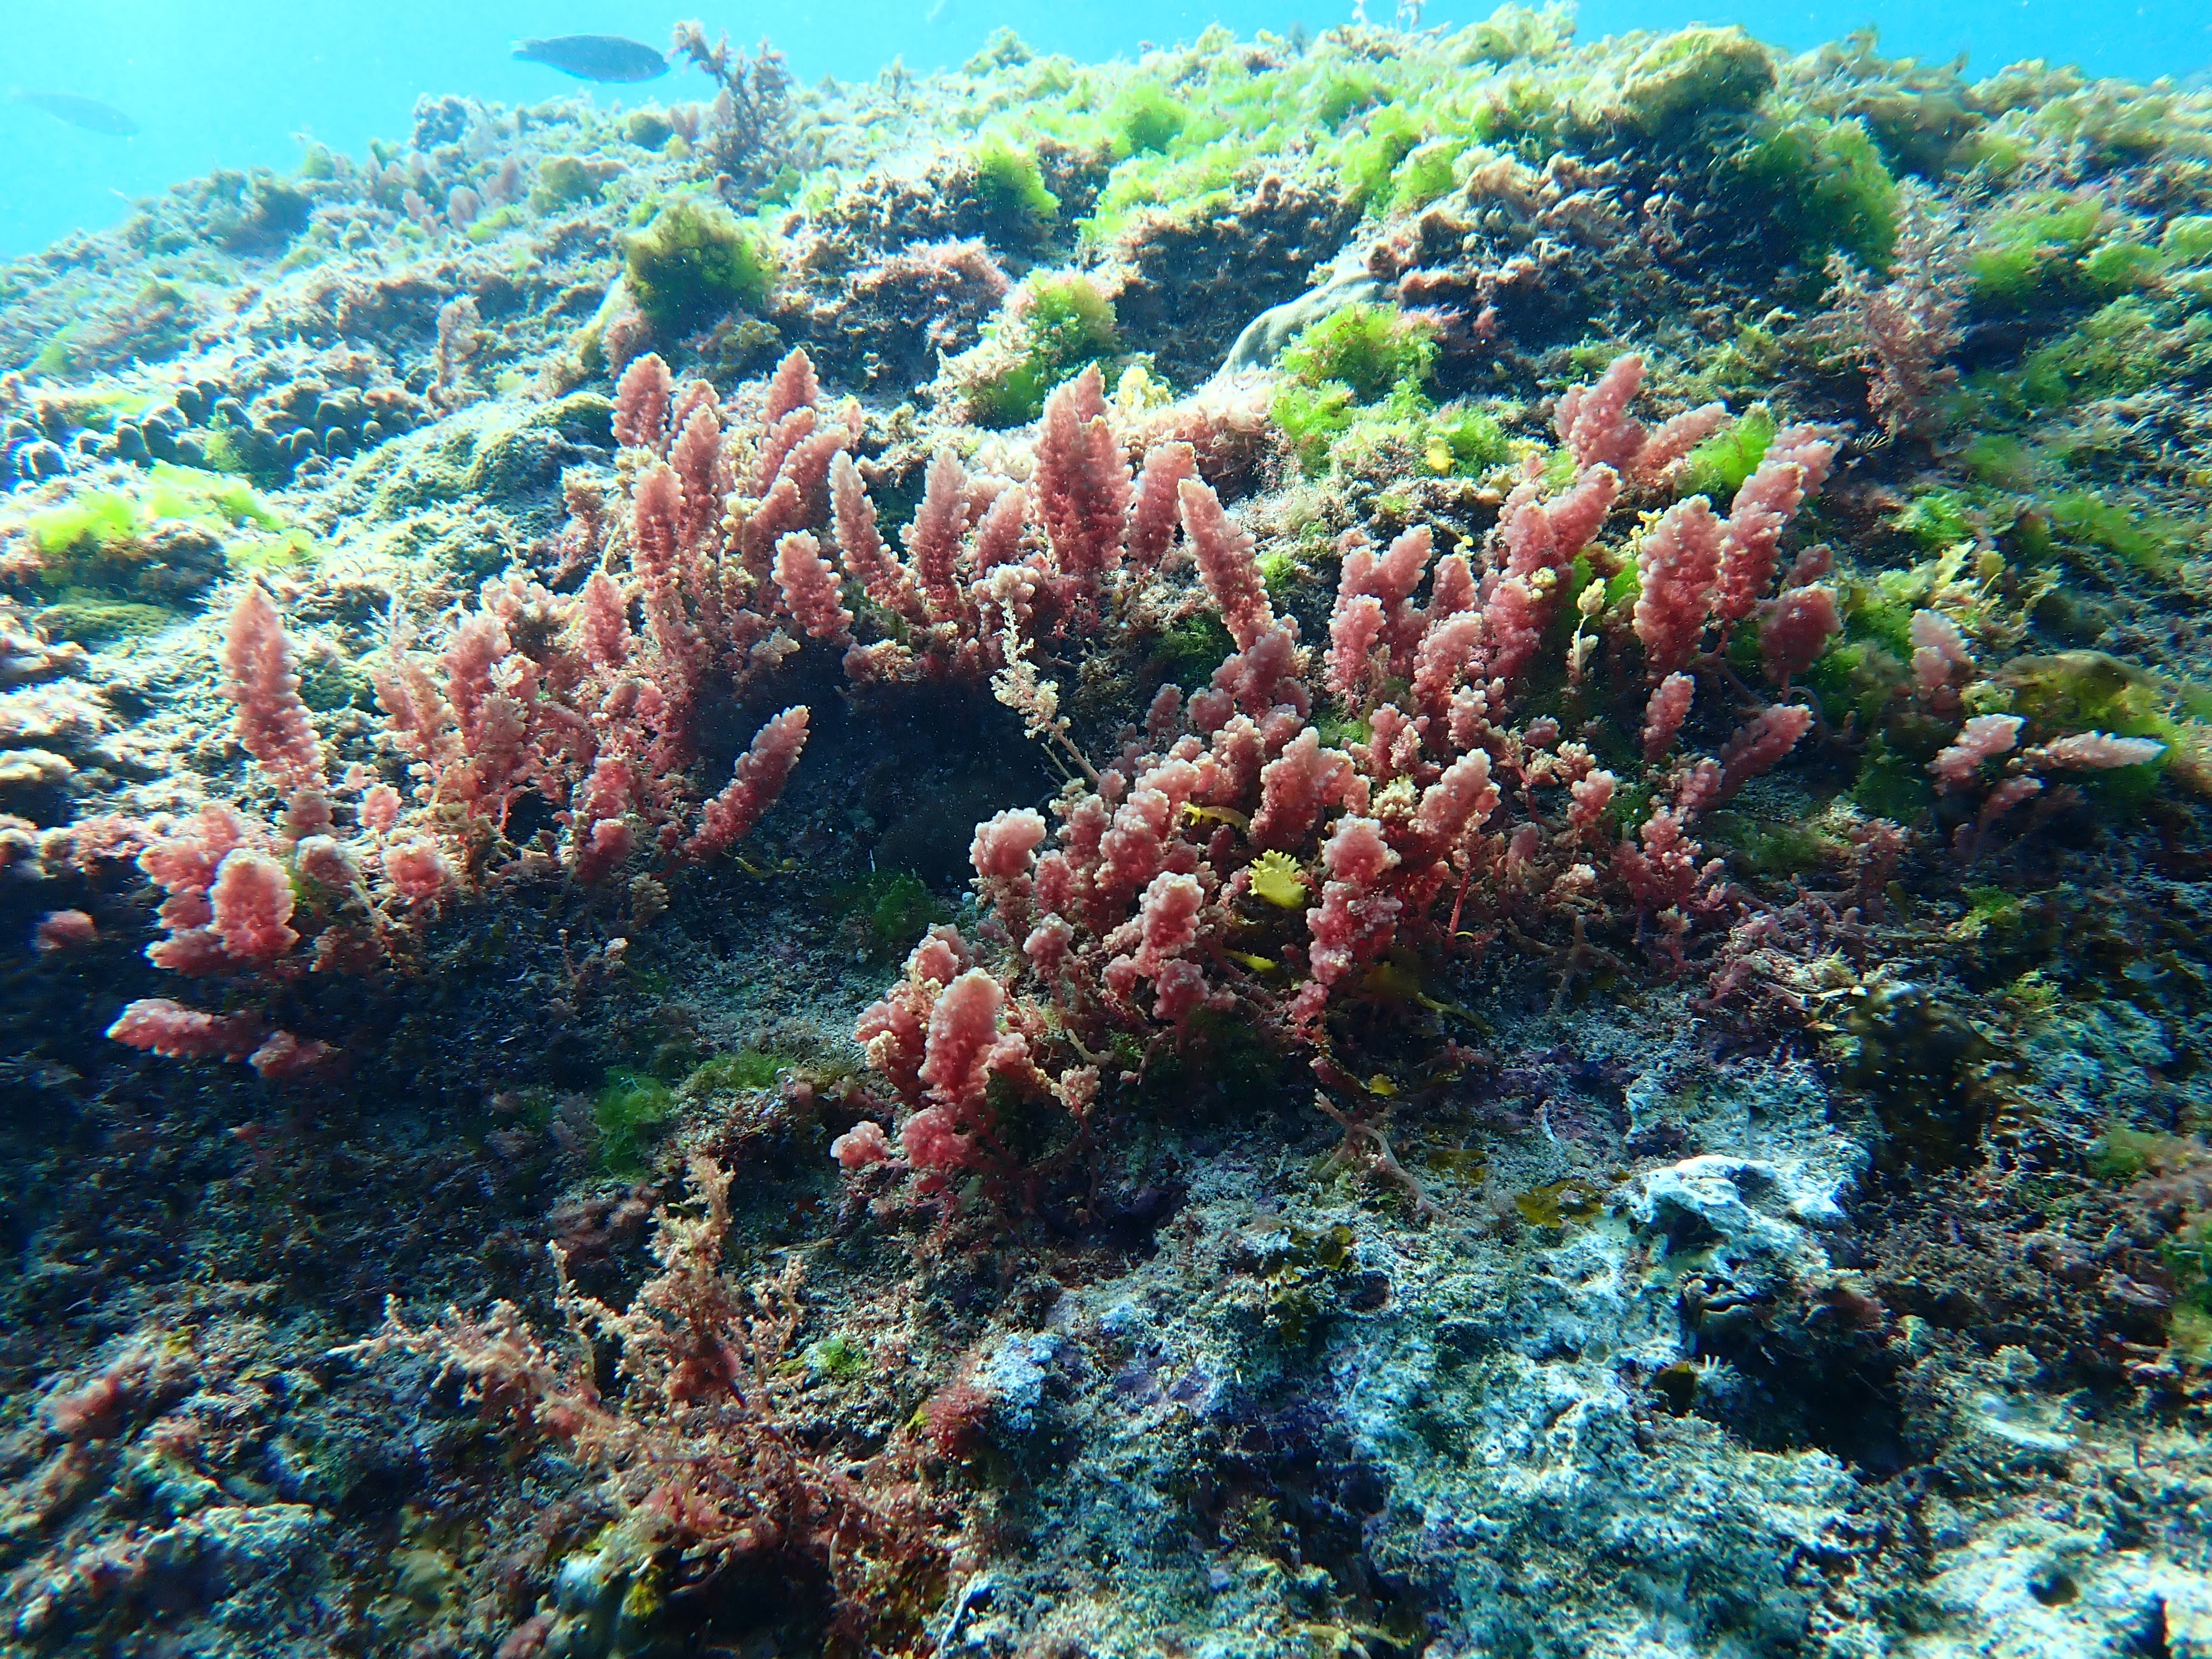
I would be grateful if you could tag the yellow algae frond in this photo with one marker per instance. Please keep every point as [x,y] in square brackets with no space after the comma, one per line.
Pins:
[1277,878]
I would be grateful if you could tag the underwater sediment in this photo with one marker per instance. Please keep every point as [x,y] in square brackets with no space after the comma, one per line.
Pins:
[1392,843]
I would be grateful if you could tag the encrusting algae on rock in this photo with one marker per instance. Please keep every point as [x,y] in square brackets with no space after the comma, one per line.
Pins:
[1392,843]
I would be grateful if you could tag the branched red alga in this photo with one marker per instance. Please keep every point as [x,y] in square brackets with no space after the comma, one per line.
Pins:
[1233,863]
[698,1446]
[533,693]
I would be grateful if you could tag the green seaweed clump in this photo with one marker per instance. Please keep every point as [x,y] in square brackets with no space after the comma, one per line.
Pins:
[2081,518]
[98,520]
[1717,468]
[565,180]
[1146,119]
[290,550]
[1827,186]
[2123,349]
[648,129]
[1511,33]
[2087,691]
[748,1068]
[2123,1154]
[837,1356]
[694,264]
[1056,326]
[628,1111]
[1472,438]
[2054,249]
[1311,419]
[1370,163]
[1369,348]
[1935,519]
[1011,186]
[97,534]
[2002,462]
[1682,76]
[2075,691]
[1354,385]
[894,905]
[1190,649]
[1344,93]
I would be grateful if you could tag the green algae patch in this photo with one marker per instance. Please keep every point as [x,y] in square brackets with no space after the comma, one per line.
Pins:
[2075,691]
[2087,691]
[1826,186]
[2020,254]
[2122,1154]
[1679,77]
[2083,520]
[566,180]
[1312,418]
[1513,34]
[1717,468]
[629,1111]
[1191,649]
[1934,521]
[1370,163]
[2002,462]
[1770,847]
[292,550]
[694,264]
[648,129]
[1561,1203]
[1145,118]
[1472,437]
[102,536]
[894,906]
[1369,348]
[837,1356]
[1056,326]
[98,520]
[1353,388]
[747,1069]
[2133,344]
[1010,185]
[2053,249]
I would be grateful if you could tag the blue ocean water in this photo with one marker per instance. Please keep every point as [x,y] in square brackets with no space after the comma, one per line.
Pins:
[238,83]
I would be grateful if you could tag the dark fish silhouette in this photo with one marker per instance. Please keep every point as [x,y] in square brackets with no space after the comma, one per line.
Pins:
[86,113]
[595,57]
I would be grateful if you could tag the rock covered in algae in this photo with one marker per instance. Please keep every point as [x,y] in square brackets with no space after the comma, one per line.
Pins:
[1748,1208]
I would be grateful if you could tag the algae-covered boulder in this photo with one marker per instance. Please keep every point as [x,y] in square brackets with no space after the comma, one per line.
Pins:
[1677,77]
[1513,32]
[504,452]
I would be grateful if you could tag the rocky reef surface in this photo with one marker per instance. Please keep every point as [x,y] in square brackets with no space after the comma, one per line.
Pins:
[1391,843]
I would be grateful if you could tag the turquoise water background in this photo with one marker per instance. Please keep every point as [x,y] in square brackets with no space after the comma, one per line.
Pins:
[238,84]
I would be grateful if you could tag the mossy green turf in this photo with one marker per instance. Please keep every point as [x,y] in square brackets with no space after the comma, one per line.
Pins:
[694,263]
[1717,468]
[1065,324]
[106,519]
[1010,185]
[628,1111]
[1397,131]
[894,906]
[1357,377]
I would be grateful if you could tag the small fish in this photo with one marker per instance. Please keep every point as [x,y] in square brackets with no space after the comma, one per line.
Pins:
[936,14]
[86,113]
[595,57]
